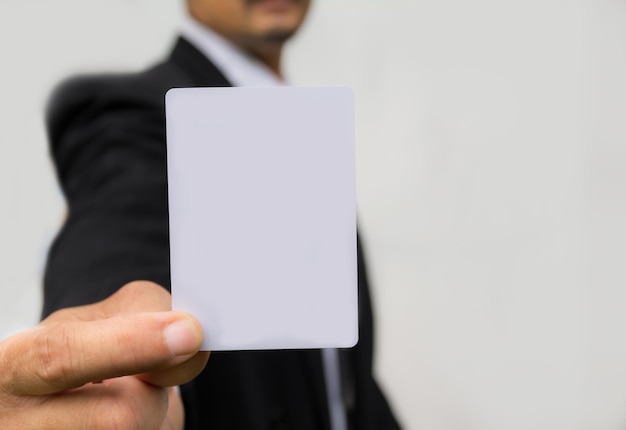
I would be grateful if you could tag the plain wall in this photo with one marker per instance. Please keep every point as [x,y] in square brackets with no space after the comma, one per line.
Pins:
[491,148]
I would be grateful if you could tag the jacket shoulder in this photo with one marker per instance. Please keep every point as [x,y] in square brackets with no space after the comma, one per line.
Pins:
[81,98]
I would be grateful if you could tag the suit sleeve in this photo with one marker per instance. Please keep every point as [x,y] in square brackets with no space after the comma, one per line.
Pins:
[107,139]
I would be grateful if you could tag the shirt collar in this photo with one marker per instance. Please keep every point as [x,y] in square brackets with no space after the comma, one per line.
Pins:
[239,68]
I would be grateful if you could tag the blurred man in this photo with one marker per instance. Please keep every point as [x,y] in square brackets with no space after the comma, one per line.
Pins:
[107,136]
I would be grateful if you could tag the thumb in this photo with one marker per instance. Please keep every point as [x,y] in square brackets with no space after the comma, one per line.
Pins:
[62,356]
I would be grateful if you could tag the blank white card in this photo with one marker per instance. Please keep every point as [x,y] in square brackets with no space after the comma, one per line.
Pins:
[262,208]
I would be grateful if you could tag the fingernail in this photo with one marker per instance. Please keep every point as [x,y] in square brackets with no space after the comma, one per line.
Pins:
[182,337]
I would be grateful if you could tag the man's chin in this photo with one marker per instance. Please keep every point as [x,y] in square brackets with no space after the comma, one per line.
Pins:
[277,36]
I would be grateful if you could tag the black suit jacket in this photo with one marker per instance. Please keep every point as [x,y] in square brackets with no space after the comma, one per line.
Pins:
[107,137]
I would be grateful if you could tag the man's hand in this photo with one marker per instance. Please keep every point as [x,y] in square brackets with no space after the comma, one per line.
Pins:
[102,366]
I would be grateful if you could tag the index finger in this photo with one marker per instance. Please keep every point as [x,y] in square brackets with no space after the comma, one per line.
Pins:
[134,297]
[62,356]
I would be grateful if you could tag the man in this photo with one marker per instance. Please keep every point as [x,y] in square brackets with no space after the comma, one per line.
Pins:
[108,142]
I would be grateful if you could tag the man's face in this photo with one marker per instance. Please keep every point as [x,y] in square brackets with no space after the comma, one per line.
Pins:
[252,24]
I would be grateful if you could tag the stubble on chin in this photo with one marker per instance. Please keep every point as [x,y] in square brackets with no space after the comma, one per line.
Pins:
[277,36]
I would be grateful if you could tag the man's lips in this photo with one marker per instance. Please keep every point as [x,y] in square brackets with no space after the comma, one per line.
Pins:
[274,4]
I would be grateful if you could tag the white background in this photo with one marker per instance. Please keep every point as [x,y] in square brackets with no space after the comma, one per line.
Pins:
[491,173]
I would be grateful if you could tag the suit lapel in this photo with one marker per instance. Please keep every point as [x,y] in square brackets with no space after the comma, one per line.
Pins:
[199,68]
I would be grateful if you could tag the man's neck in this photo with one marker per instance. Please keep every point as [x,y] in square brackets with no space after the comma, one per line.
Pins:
[270,57]
[242,63]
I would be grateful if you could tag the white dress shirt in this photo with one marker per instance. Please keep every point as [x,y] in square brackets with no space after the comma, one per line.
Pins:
[243,70]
